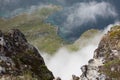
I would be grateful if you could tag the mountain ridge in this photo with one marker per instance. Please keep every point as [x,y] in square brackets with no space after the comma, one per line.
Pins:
[106,59]
[19,60]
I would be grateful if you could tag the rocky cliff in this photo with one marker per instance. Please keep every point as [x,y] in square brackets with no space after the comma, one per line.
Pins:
[19,60]
[105,64]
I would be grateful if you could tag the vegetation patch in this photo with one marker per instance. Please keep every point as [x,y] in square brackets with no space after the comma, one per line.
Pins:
[112,69]
[38,32]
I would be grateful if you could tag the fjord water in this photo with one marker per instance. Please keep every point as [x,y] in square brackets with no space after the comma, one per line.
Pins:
[79,16]
[71,19]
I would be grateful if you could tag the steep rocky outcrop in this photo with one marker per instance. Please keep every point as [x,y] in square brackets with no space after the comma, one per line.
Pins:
[105,64]
[19,60]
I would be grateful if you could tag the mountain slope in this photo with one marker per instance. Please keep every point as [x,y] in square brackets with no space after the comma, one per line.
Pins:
[105,64]
[33,25]
[19,60]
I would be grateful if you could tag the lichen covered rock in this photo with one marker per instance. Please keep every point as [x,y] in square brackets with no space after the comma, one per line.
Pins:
[105,64]
[18,58]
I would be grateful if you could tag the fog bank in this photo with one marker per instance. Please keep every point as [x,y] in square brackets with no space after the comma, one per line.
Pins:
[65,63]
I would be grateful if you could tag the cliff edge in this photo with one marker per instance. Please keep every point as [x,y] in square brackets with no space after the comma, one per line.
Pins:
[105,64]
[19,60]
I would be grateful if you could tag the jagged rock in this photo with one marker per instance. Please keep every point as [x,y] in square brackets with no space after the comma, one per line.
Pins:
[19,58]
[105,64]
[74,77]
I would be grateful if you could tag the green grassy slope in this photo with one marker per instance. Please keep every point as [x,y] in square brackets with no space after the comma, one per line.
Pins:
[41,34]
[83,40]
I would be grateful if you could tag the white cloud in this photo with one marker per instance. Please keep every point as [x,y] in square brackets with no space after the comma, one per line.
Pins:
[65,63]
[88,12]
[109,27]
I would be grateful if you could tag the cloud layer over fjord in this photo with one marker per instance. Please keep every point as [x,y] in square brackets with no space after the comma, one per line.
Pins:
[89,12]
[86,14]
[76,17]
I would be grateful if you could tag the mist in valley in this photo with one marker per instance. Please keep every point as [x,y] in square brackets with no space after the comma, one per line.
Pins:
[65,63]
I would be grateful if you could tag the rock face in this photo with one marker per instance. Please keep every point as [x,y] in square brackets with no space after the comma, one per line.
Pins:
[105,64]
[19,59]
